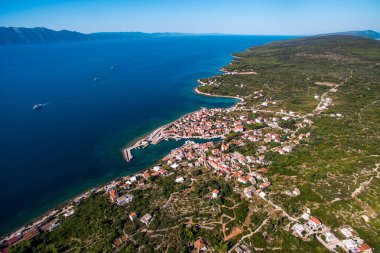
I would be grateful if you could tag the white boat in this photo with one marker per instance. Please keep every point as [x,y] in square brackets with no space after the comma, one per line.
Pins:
[38,107]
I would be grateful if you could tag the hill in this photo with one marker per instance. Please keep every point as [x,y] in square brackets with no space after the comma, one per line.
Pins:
[20,35]
[366,34]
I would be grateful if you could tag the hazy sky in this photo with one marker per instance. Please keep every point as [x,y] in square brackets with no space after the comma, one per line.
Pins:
[195,16]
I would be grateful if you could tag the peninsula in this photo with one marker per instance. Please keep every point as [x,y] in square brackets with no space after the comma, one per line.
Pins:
[292,167]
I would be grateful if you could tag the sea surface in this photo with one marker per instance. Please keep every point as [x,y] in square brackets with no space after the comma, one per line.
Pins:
[74,142]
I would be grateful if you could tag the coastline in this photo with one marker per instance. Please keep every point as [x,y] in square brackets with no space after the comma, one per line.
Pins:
[212,95]
[71,202]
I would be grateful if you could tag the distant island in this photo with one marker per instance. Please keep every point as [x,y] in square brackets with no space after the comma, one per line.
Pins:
[22,35]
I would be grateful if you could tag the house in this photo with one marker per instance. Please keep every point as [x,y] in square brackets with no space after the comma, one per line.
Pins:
[111,187]
[180,180]
[125,199]
[238,129]
[146,219]
[249,191]
[347,232]
[365,248]
[146,175]
[163,171]
[242,180]
[296,192]
[305,216]
[242,249]
[113,195]
[141,182]
[133,216]
[331,238]
[127,185]
[251,179]
[174,166]
[262,194]
[200,244]
[350,245]
[224,147]
[299,229]
[263,170]
[265,185]
[50,226]
[14,239]
[314,223]
[30,233]
[215,194]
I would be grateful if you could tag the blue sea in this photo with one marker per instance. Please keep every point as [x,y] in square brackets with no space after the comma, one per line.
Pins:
[74,142]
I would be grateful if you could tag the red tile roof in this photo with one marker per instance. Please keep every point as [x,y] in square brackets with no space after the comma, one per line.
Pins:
[315,220]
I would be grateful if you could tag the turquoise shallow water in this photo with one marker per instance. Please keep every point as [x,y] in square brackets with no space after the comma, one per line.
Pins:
[74,142]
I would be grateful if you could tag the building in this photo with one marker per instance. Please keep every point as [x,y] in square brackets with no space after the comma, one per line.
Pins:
[146,219]
[50,226]
[200,244]
[350,245]
[242,180]
[305,216]
[30,233]
[347,232]
[224,147]
[238,129]
[365,248]
[180,180]
[125,199]
[330,238]
[146,175]
[113,195]
[242,249]
[133,216]
[14,239]
[215,194]
[249,191]
[299,229]
[314,223]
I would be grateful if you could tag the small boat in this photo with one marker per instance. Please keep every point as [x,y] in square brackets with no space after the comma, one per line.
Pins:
[38,107]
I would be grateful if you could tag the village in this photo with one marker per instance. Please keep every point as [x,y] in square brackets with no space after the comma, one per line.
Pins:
[220,133]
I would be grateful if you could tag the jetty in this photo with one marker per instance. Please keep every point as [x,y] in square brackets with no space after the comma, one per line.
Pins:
[126,152]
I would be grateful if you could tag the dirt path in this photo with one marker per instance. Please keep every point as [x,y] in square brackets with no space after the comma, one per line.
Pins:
[235,232]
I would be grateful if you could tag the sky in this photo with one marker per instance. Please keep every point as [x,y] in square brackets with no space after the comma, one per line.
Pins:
[262,17]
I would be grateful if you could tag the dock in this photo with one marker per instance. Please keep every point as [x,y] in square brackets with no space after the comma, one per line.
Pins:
[127,155]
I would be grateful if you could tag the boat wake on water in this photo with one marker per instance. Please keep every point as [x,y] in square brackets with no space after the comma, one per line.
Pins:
[80,92]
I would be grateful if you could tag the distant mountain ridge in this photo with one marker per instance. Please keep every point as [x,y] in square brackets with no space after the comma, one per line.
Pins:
[22,35]
[366,34]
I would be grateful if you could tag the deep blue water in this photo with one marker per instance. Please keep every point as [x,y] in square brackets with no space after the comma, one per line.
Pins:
[74,142]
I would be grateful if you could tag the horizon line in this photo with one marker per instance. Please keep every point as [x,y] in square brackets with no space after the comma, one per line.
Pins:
[190,33]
